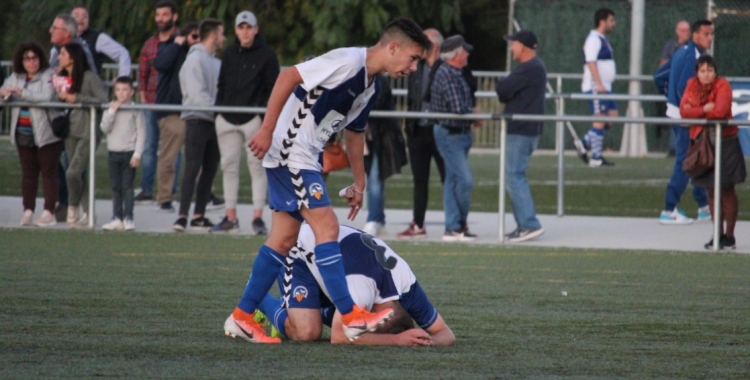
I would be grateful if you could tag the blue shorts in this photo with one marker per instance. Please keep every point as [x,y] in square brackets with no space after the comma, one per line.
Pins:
[601,107]
[305,291]
[291,189]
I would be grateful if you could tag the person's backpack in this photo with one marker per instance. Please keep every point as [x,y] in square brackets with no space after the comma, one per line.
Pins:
[661,78]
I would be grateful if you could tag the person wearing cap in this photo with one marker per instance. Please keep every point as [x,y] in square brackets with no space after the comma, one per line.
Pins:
[598,75]
[248,72]
[450,93]
[523,92]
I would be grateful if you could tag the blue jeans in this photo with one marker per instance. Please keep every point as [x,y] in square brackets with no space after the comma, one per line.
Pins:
[679,180]
[459,182]
[375,193]
[148,158]
[518,150]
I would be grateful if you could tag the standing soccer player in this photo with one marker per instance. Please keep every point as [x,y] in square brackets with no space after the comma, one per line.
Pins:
[598,75]
[309,103]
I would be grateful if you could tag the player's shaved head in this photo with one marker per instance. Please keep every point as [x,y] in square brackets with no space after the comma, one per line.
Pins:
[404,30]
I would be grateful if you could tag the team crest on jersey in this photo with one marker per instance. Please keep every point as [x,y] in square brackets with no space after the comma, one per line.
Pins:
[300,293]
[316,190]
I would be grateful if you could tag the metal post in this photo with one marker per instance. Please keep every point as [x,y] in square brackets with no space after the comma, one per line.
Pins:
[511,12]
[717,186]
[501,185]
[560,159]
[92,168]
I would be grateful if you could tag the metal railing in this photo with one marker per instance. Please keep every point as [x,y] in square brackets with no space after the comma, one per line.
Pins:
[503,118]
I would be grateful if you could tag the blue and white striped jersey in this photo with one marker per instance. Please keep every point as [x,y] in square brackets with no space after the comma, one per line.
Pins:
[334,95]
[597,49]
[374,272]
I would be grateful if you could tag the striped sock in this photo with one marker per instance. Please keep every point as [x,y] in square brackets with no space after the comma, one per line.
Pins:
[328,260]
[595,138]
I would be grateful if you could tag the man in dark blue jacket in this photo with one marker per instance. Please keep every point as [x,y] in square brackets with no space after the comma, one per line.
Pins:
[248,72]
[523,92]
[682,69]
[169,58]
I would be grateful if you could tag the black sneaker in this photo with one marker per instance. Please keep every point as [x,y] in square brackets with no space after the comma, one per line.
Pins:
[459,235]
[180,225]
[607,163]
[142,198]
[61,212]
[201,223]
[225,226]
[259,228]
[727,242]
[215,203]
[523,234]
[166,207]
[581,151]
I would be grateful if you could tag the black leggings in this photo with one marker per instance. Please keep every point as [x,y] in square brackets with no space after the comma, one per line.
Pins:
[422,150]
[201,157]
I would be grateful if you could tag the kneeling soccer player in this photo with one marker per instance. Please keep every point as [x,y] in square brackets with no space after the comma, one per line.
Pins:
[377,279]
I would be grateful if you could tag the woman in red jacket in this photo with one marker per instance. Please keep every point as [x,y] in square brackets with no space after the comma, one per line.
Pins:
[708,96]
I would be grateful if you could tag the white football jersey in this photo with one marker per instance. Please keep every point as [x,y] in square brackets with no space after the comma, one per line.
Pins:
[335,94]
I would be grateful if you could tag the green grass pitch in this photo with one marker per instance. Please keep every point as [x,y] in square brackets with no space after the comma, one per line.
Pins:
[91,305]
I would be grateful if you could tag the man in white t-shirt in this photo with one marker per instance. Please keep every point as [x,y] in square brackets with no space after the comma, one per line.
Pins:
[598,75]
[309,103]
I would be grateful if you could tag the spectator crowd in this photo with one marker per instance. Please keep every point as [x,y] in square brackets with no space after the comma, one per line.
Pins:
[180,66]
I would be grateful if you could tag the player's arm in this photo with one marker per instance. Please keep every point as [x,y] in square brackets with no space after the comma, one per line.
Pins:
[411,337]
[590,52]
[285,84]
[440,333]
[355,151]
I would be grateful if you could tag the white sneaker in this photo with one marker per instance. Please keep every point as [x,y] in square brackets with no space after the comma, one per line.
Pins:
[83,221]
[675,217]
[114,225]
[26,218]
[704,214]
[72,215]
[129,224]
[46,220]
[374,229]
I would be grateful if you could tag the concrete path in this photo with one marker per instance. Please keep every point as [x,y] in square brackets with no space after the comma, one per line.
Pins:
[585,232]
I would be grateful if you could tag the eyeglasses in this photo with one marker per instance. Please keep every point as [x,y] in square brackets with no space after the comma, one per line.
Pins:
[30,59]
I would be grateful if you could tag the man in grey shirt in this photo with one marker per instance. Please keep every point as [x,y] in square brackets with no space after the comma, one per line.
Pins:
[199,77]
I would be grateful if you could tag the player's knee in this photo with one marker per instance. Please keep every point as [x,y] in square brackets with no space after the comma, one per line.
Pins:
[302,333]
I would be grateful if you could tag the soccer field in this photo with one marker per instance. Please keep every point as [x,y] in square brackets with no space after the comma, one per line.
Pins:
[81,304]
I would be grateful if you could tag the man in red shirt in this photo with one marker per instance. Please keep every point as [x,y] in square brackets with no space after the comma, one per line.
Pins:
[165,18]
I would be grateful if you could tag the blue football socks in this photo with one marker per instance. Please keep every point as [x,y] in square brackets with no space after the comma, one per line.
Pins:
[328,260]
[266,269]
[595,141]
[271,307]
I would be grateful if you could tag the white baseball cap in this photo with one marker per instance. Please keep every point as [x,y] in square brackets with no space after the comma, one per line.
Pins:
[246,17]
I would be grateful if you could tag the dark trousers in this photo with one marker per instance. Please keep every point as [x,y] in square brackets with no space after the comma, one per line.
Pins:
[62,192]
[44,161]
[422,150]
[122,176]
[201,156]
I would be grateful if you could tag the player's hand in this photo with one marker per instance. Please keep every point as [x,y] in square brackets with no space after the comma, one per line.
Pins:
[179,40]
[709,107]
[355,201]
[135,162]
[261,142]
[114,105]
[413,337]
[600,89]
